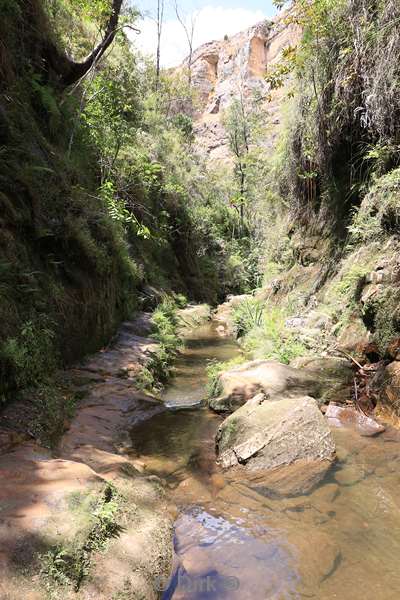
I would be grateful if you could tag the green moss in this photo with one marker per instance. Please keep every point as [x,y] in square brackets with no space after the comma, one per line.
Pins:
[379,213]
[383,316]
[346,288]
[340,297]
[229,431]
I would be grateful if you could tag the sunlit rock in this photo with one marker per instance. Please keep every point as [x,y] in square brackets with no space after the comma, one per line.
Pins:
[277,434]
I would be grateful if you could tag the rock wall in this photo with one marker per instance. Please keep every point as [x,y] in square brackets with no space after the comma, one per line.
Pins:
[226,69]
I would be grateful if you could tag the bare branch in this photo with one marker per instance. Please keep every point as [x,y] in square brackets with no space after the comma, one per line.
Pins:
[189,33]
[160,23]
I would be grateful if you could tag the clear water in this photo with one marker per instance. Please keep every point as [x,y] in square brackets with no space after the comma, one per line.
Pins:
[342,541]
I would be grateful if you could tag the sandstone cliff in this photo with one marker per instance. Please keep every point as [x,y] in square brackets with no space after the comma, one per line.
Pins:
[223,70]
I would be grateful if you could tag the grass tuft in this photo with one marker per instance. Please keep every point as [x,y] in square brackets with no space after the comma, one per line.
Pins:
[66,567]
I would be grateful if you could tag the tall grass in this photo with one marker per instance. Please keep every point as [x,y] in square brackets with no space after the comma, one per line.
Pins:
[262,332]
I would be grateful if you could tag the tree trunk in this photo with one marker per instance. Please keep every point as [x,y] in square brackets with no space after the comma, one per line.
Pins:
[160,22]
[69,71]
[242,195]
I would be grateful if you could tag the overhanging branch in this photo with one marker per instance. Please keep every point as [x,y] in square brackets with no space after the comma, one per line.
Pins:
[70,71]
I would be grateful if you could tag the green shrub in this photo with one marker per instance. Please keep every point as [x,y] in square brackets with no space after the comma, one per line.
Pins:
[271,340]
[166,321]
[31,356]
[145,380]
[247,315]
[180,300]
[166,326]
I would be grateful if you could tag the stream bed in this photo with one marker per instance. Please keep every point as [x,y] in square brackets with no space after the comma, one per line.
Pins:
[342,541]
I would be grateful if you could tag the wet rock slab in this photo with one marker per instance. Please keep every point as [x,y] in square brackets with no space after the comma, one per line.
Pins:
[40,493]
[347,416]
[297,479]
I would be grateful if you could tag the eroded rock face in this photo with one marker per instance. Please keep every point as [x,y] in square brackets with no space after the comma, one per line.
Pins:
[335,376]
[355,338]
[233,67]
[193,315]
[276,434]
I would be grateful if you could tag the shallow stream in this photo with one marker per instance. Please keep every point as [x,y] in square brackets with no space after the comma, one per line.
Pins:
[342,541]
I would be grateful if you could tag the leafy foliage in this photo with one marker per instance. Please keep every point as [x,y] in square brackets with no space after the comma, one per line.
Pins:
[264,334]
[102,193]
[166,333]
[31,354]
[345,128]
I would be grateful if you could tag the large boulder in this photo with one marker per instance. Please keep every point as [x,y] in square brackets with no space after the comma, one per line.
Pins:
[297,479]
[267,435]
[335,376]
[194,315]
[272,378]
[355,338]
